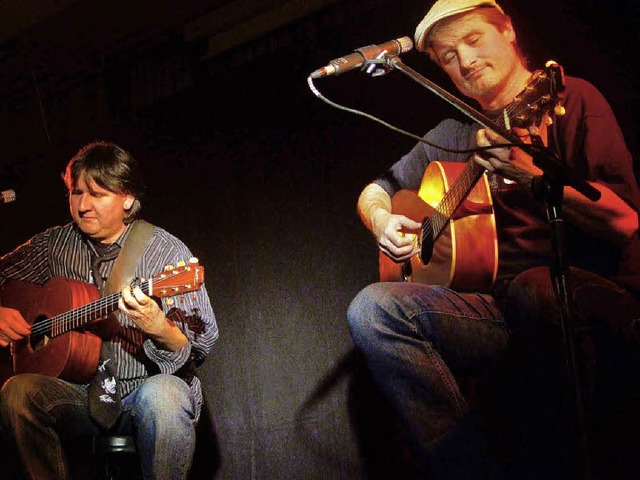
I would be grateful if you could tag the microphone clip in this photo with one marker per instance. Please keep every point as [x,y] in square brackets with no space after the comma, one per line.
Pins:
[379,66]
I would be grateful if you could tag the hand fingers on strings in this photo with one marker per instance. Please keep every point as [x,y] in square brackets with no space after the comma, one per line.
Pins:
[15,327]
[139,295]
[122,306]
[484,162]
[397,243]
[402,231]
[128,304]
[408,224]
[488,138]
[491,159]
[482,139]
[12,319]
[398,253]
[8,335]
[10,332]
[396,257]
[492,137]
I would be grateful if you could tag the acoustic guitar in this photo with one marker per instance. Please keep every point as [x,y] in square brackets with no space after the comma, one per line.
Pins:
[458,239]
[62,313]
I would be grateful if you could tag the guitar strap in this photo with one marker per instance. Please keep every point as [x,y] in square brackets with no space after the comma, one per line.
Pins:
[125,264]
[105,400]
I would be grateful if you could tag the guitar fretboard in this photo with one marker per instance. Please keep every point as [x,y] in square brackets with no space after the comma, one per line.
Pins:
[81,316]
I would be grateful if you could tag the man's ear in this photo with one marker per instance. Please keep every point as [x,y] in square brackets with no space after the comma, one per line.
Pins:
[509,33]
[128,201]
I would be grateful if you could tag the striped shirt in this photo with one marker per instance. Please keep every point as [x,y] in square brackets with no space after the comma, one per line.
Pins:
[66,252]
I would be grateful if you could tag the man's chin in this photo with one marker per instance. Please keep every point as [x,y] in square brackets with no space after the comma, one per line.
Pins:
[482,88]
[91,231]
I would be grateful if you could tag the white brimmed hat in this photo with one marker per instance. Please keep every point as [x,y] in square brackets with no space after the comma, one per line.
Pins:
[447,8]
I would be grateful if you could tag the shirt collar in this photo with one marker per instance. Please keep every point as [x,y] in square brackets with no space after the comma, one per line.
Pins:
[118,243]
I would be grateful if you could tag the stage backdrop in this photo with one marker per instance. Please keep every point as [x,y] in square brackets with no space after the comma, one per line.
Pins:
[260,178]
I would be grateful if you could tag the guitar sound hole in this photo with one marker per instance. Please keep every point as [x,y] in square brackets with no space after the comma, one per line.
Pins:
[427,251]
[407,271]
[40,334]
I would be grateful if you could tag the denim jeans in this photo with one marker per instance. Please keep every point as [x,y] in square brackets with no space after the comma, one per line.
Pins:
[39,412]
[414,338]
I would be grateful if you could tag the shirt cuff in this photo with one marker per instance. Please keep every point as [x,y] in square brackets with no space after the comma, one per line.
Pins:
[168,362]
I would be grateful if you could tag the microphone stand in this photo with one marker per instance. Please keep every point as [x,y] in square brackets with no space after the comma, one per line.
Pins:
[547,187]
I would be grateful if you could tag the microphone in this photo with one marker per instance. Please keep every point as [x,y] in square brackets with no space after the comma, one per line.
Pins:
[355,60]
[7,196]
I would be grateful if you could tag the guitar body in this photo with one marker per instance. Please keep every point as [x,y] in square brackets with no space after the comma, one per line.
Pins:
[464,256]
[73,355]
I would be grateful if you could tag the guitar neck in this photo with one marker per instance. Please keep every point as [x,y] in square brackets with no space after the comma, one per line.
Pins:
[79,317]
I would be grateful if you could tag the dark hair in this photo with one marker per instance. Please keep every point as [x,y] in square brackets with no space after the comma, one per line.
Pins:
[112,168]
[492,16]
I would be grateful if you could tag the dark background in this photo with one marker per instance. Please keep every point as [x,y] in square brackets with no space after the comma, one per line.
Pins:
[258,176]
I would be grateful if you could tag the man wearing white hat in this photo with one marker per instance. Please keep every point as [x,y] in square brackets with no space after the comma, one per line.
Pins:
[416,337]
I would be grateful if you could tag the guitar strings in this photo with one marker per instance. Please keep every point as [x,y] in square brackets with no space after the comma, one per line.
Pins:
[64,322]
[67,320]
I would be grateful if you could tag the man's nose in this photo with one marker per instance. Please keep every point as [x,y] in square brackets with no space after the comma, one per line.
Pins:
[467,57]
[84,203]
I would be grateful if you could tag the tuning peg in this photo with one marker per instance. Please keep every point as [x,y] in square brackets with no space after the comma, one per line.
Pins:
[169,302]
[168,267]
[181,263]
[193,260]
[559,110]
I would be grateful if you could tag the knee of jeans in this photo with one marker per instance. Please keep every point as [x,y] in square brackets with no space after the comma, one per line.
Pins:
[371,313]
[18,388]
[164,396]
[16,393]
[359,312]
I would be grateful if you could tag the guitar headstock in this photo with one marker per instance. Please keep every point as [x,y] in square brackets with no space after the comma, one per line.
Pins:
[176,280]
[543,94]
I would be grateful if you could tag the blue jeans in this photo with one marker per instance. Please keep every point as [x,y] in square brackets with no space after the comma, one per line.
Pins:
[414,337]
[39,412]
